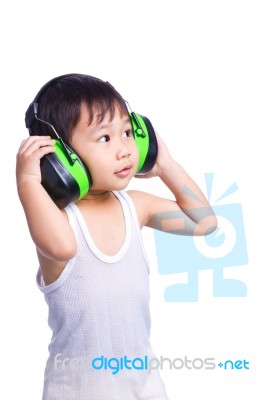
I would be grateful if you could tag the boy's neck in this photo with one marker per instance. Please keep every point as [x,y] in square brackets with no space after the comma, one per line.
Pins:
[97,196]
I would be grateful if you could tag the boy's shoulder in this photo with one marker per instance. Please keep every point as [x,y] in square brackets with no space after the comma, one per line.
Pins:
[141,198]
[138,196]
[148,206]
[142,201]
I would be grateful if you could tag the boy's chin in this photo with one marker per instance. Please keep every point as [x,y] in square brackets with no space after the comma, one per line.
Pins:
[119,186]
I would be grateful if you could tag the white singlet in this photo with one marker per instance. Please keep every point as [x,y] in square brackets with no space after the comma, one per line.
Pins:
[100,318]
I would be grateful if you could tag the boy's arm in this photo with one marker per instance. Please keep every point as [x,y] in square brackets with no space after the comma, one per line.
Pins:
[48,225]
[189,214]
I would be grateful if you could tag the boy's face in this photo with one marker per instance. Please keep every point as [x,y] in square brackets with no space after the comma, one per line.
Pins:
[107,148]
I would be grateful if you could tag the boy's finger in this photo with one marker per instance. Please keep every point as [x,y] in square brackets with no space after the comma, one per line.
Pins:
[33,145]
[32,139]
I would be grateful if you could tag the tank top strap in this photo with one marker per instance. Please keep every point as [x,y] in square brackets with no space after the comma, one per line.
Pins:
[125,196]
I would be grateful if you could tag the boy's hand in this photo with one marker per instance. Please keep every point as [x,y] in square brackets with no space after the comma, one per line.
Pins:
[28,157]
[163,157]
[45,220]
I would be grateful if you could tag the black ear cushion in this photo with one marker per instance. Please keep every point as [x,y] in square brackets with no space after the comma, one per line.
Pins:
[58,182]
[153,148]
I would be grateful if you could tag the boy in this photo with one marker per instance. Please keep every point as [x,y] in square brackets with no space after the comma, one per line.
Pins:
[93,269]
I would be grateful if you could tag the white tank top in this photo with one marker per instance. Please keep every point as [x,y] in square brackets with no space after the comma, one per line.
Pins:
[100,318]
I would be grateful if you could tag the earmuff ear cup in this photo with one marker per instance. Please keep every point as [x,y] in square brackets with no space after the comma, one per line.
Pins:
[58,182]
[146,143]
[65,183]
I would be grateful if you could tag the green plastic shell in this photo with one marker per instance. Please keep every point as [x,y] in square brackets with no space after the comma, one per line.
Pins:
[142,141]
[76,170]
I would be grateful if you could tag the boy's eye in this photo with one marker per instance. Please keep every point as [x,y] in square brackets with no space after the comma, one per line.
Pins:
[104,139]
[127,133]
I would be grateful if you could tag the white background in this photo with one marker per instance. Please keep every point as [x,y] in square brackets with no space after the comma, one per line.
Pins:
[197,70]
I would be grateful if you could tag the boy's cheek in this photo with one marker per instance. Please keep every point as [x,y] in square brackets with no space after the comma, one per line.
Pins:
[135,157]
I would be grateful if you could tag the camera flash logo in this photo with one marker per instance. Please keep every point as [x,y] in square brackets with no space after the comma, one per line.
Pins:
[225,247]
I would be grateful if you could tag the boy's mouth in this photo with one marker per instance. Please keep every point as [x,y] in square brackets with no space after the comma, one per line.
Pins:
[124,171]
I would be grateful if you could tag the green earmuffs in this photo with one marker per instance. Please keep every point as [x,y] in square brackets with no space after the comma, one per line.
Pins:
[64,175]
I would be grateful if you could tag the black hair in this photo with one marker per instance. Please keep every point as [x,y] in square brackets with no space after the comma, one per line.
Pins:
[59,103]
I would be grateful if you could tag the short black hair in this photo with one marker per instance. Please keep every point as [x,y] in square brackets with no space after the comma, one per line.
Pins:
[60,103]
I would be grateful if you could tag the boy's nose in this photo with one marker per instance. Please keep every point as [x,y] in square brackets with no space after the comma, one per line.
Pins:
[123,151]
